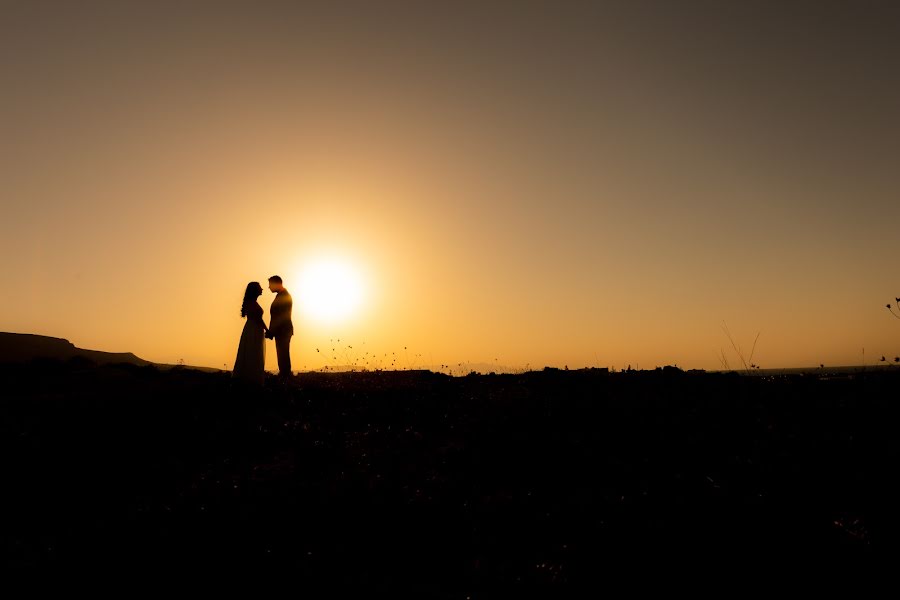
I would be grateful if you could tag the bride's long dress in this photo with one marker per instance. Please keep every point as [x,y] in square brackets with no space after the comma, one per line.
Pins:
[251,355]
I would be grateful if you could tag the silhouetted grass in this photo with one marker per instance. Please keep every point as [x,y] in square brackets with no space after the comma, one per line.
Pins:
[419,480]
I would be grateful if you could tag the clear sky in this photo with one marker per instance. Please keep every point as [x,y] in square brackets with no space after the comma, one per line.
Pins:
[581,184]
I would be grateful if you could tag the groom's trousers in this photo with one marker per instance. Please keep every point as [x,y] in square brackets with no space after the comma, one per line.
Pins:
[283,350]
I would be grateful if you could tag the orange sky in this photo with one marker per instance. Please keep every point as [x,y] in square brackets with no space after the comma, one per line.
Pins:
[589,186]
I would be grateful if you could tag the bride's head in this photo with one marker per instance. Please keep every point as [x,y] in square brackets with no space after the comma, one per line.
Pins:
[254,291]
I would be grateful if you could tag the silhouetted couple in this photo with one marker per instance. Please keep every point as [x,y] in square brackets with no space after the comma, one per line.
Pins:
[251,356]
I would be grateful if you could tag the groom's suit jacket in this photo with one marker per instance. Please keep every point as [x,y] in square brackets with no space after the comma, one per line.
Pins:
[281,325]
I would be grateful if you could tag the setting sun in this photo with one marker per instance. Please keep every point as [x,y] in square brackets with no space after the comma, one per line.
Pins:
[330,290]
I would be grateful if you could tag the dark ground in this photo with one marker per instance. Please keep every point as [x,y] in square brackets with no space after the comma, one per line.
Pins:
[421,481]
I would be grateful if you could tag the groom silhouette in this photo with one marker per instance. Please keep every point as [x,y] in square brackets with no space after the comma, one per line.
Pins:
[281,328]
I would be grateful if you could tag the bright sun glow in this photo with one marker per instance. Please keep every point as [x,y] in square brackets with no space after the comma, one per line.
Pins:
[330,290]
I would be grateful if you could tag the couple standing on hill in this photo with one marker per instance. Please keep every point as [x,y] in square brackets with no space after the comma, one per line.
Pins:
[251,356]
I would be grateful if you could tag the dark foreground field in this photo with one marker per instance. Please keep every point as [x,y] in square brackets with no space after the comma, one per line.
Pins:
[416,480]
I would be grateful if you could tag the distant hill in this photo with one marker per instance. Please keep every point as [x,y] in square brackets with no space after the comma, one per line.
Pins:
[23,347]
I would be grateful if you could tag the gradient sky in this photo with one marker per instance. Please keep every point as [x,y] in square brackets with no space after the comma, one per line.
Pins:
[594,184]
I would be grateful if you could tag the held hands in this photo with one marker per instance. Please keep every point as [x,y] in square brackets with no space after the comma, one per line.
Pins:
[269,334]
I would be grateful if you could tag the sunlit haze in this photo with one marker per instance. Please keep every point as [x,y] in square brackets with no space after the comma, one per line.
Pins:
[520,184]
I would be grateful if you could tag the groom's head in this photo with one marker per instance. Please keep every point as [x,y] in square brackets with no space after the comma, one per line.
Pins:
[275,283]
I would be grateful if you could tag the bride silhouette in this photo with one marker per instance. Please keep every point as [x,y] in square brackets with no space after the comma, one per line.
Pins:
[251,355]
